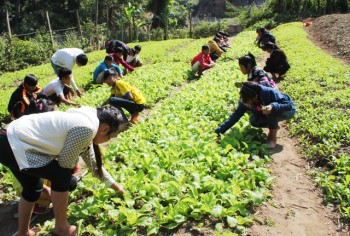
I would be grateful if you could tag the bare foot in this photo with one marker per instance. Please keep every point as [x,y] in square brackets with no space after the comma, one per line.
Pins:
[71,230]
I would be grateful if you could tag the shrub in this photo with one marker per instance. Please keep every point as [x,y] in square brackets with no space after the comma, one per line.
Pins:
[204,29]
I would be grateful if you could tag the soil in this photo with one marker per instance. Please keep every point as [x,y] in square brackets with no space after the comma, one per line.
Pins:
[297,207]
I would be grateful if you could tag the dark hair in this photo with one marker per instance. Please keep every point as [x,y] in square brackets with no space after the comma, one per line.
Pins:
[117,121]
[63,72]
[132,50]
[119,50]
[261,30]
[108,58]
[248,59]
[268,45]
[82,59]
[249,90]
[109,72]
[205,47]
[223,33]
[137,47]
[216,39]
[31,80]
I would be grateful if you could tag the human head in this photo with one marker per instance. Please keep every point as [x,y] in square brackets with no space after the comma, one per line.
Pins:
[249,93]
[110,76]
[205,50]
[216,39]
[246,63]
[132,51]
[30,83]
[112,121]
[119,51]
[81,60]
[137,49]
[64,74]
[268,46]
[108,60]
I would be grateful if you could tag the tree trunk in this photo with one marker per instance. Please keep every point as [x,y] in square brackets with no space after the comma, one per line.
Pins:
[134,27]
[18,11]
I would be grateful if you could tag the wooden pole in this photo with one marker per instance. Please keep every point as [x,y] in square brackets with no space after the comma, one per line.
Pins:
[49,25]
[79,26]
[8,24]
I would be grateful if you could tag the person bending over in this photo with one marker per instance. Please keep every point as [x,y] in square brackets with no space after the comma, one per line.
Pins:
[277,63]
[254,73]
[48,145]
[267,107]
[124,95]
[104,66]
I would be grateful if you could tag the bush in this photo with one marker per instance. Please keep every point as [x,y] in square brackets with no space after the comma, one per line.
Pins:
[204,29]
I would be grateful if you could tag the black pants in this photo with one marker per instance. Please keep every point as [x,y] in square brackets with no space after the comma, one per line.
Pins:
[128,105]
[32,179]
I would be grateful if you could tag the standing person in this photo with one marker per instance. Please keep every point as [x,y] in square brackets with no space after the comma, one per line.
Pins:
[48,145]
[67,58]
[124,95]
[202,61]
[118,59]
[267,107]
[277,63]
[104,66]
[254,73]
[215,50]
[264,36]
[25,98]
[58,89]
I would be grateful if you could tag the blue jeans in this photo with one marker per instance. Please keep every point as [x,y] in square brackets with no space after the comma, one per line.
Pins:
[270,121]
[128,105]
[56,68]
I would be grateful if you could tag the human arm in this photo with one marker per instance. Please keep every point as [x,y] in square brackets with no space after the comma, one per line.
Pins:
[279,102]
[74,85]
[89,158]
[126,65]
[66,101]
[233,119]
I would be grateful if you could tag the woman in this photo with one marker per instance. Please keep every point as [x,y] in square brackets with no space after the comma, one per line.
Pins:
[48,145]
[267,107]
[248,67]
[264,36]
[277,63]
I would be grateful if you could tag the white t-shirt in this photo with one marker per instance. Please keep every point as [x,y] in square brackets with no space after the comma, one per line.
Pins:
[66,57]
[131,58]
[38,139]
[55,86]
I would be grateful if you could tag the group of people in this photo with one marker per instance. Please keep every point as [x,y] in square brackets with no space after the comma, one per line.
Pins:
[206,59]
[47,146]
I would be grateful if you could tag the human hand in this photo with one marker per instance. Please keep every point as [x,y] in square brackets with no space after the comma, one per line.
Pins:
[78,92]
[218,138]
[266,109]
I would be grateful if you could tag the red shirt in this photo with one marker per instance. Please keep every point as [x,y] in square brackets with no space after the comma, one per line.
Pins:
[204,61]
[120,60]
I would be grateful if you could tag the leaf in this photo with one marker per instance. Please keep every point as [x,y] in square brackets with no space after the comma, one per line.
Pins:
[216,211]
[231,221]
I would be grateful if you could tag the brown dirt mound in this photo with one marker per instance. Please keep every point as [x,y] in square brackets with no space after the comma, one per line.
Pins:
[332,34]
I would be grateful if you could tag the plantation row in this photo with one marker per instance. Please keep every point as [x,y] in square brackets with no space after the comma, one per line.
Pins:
[320,85]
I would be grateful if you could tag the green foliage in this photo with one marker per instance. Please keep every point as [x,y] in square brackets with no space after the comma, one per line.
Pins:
[319,85]
[205,29]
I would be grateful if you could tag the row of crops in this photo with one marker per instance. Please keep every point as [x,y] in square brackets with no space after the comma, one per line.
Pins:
[171,166]
[320,85]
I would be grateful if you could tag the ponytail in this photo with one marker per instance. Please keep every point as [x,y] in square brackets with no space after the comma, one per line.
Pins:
[98,157]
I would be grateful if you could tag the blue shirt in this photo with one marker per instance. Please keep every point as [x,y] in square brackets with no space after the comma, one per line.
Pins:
[269,96]
[103,67]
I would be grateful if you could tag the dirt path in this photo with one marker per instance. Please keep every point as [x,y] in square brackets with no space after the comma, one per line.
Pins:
[296,208]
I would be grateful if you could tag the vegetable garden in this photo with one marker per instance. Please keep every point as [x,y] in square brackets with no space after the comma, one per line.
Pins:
[170,164]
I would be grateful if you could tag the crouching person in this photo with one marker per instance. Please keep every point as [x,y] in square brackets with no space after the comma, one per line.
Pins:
[124,95]
[202,61]
[267,107]
[48,145]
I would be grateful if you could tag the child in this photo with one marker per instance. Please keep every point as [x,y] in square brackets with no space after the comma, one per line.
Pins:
[124,95]
[24,99]
[202,61]
[67,58]
[58,89]
[277,63]
[254,73]
[104,66]
[267,107]
[118,59]
[264,36]
[215,50]
[133,57]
